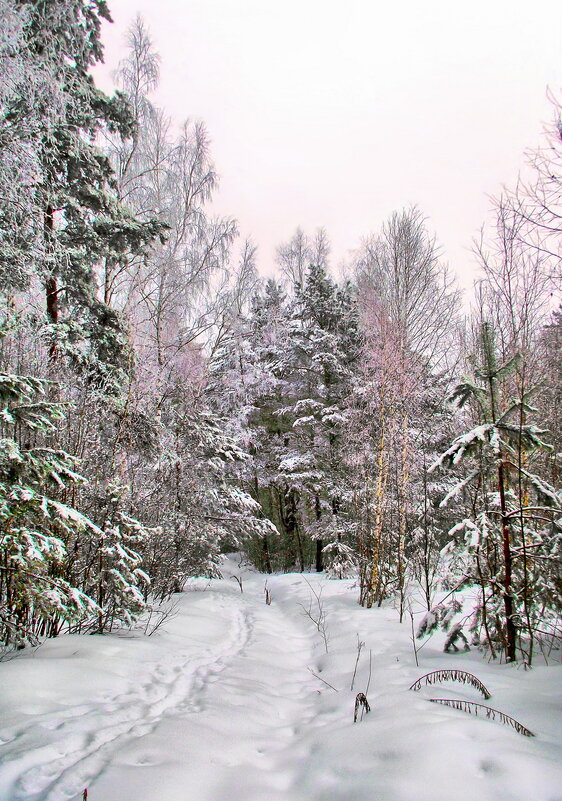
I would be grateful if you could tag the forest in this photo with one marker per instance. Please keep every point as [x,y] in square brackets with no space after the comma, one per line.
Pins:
[250,526]
[163,404]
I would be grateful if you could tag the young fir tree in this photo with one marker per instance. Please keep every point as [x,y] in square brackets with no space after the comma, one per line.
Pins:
[111,563]
[199,509]
[512,539]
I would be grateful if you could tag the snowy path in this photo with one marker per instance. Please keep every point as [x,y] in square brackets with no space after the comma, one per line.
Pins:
[221,705]
[85,738]
[250,715]
[252,679]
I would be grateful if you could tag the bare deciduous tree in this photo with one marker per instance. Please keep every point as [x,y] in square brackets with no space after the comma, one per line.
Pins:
[296,256]
[409,304]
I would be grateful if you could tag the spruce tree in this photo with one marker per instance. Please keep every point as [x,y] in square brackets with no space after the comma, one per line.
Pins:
[299,365]
[77,222]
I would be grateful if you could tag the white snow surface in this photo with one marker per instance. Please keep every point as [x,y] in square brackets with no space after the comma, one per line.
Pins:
[221,704]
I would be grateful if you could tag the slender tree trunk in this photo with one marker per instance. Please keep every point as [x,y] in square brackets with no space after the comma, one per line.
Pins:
[264,542]
[293,526]
[511,630]
[382,477]
[402,506]
[51,288]
[319,542]
[319,555]
[426,557]
[288,512]
[265,551]
[485,608]
[523,493]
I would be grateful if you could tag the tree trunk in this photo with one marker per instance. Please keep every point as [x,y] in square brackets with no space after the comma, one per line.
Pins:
[51,289]
[292,526]
[380,499]
[402,510]
[266,559]
[510,628]
[264,542]
[319,556]
[319,543]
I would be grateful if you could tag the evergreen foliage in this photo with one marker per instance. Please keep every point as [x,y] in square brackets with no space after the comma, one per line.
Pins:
[36,521]
[70,221]
[515,524]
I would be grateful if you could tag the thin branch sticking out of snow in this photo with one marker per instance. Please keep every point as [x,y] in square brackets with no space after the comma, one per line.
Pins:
[437,676]
[473,709]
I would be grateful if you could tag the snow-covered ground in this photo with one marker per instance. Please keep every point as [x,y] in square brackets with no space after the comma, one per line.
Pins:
[221,704]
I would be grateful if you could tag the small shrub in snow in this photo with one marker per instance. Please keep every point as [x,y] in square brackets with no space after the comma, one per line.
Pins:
[439,616]
[340,560]
[317,613]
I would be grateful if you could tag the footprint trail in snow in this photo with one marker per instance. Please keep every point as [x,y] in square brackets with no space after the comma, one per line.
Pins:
[221,704]
[85,738]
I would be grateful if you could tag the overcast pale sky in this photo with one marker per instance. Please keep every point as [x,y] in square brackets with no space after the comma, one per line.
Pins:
[336,112]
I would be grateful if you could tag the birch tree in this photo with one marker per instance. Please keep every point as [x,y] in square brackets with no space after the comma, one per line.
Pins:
[409,305]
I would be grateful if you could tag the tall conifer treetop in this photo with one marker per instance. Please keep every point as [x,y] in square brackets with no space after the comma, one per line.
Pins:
[79,222]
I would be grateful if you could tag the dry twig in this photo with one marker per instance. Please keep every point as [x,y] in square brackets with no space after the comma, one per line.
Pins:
[327,683]
[317,615]
[360,645]
[370,665]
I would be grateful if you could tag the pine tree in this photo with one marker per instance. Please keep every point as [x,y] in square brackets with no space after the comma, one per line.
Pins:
[247,387]
[283,374]
[77,223]
[513,537]
[60,221]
